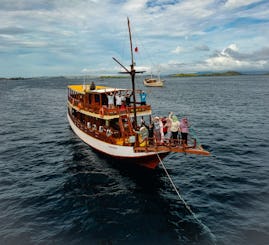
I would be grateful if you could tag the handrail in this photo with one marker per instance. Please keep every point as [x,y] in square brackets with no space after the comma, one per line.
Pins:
[106,111]
[94,133]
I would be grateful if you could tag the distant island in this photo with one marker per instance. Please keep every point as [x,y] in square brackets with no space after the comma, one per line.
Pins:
[228,73]
[13,78]
[116,76]
[198,74]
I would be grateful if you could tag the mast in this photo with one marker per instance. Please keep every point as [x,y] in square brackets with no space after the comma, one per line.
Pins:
[131,43]
[132,72]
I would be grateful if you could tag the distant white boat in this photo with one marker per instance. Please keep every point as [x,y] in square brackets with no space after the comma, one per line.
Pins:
[153,82]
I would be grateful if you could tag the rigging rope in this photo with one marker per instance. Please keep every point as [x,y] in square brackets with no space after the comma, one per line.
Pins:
[205,228]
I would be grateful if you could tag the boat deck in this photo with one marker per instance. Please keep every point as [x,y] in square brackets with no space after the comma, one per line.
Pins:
[169,148]
[94,102]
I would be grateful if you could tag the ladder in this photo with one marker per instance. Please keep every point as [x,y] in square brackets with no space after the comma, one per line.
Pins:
[126,127]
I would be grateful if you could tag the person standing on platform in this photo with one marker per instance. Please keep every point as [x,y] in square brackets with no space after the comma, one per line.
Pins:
[110,100]
[118,99]
[175,127]
[158,130]
[128,99]
[143,97]
[184,128]
[168,125]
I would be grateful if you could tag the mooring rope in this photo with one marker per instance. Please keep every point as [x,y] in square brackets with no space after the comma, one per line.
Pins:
[212,236]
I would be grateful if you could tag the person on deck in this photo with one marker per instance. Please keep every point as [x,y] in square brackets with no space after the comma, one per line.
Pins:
[164,120]
[110,100]
[128,98]
[175,127]
[143,97]
[143,135]
[118,99]
[168,125]
[123,107]
[158,129]
[184,127]
[123,99]
[150,128]
[92,86]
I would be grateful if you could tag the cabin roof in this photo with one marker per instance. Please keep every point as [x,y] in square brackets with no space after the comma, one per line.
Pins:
[83,89]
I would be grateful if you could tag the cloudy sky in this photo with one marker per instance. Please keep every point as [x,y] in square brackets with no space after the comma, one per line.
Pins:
[76,37]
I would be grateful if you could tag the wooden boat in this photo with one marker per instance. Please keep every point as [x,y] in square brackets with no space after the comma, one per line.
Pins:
[113,130]
[153,82]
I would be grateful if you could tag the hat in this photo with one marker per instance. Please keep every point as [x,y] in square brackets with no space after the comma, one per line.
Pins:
[174,118]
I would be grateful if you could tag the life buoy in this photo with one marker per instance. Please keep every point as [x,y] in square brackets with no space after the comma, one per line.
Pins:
[79,105]
[102,111]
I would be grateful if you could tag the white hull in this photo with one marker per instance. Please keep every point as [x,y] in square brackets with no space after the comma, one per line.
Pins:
[109,149]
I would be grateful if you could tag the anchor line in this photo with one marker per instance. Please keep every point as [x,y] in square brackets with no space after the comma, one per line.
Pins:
[184,202]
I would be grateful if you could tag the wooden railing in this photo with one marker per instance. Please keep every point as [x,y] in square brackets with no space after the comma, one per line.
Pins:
[95,132]
[104,110]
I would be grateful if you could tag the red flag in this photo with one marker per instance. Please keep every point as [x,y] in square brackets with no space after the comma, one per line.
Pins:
[136,49]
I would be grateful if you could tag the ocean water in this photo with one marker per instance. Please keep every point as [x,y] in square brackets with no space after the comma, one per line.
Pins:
[55,190]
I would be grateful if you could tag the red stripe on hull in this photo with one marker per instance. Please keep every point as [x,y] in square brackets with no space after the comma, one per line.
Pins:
[150,162]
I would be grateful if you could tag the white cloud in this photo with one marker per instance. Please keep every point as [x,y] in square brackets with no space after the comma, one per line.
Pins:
[231,59]
[224,63]
[79,34]
[177,50]
[239,3]
[134,5]
[232,47]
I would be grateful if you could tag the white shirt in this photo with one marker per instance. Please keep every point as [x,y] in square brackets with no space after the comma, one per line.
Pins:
[118,99]
[110,99]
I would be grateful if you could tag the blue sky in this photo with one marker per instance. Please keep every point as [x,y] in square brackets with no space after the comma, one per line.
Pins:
[80,37]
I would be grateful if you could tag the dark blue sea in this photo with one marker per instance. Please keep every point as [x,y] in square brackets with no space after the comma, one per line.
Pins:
[55,190]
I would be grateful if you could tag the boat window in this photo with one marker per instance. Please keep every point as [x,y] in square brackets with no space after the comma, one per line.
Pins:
[104,99]
[97,98]
[114,123]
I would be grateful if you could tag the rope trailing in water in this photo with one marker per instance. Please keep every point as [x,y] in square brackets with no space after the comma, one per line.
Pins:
[212,236]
